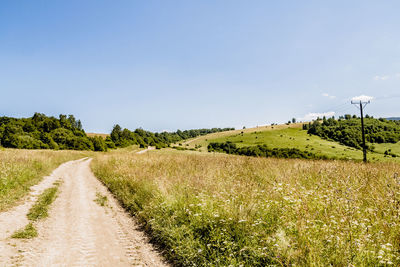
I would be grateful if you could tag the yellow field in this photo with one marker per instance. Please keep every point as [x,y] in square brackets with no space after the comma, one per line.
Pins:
[215,209]
[103,135]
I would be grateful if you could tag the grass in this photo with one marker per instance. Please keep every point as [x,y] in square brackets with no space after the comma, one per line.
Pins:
[292,137]
[221,210]
[20,169]
[393,148]
[26,233]
[40,209]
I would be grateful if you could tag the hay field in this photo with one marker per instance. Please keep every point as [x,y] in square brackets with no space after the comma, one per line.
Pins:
[215,209]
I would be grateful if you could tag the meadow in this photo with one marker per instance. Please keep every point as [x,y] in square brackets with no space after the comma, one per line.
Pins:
[20,169]
[221,210]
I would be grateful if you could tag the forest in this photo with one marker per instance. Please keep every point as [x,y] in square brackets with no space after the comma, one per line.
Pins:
[347,130]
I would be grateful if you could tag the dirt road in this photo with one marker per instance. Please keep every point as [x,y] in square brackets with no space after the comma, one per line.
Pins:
[78,231]
[146,150]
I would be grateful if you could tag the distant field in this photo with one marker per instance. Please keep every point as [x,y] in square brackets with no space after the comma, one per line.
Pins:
[289,136]
[97,134]
[20,169]
[219,210]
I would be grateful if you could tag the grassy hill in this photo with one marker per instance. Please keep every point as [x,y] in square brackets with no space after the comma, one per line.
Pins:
[290,136]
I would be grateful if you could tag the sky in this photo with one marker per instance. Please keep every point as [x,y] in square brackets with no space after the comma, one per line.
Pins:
[167,65]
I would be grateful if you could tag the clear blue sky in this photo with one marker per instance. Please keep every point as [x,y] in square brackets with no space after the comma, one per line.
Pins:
[164,65]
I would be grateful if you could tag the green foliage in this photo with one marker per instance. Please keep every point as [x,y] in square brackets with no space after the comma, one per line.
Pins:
[42,132]
[99,144]
[124,137]
[262,151]
[347,131]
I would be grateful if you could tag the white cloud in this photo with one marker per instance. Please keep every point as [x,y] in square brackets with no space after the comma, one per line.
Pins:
[363,98]
[328,95]
[381,77]
[312,116]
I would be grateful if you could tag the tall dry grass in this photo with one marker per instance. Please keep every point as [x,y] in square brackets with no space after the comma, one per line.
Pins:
[220,210]
[20,169]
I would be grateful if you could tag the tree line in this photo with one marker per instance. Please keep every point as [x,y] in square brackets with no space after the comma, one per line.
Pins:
[262,151]
[66,132]
[347,130]
[43,132]
[124,137]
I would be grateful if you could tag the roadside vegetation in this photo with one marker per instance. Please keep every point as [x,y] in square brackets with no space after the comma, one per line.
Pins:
[20,169]
[217,209]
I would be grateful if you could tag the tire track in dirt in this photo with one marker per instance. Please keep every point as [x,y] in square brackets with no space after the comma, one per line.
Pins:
[80,232]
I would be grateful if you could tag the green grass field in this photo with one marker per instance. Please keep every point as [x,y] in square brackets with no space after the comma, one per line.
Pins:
[291,137]
[394,148]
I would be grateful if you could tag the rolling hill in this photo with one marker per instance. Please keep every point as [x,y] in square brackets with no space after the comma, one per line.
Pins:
[289,136]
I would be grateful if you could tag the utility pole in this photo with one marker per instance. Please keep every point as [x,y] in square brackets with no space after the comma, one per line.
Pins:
[361,105]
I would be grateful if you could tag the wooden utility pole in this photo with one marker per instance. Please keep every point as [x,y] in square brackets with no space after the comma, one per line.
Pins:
[361,107]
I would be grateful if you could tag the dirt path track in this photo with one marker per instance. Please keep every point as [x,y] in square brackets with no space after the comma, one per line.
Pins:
[78,232]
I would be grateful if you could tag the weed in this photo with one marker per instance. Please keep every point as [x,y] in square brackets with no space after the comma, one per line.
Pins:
[100,199]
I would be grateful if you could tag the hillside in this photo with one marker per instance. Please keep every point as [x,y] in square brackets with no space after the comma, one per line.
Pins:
[289,136]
